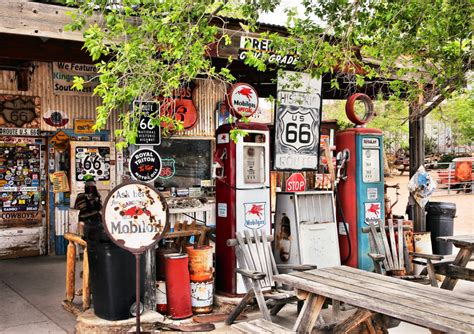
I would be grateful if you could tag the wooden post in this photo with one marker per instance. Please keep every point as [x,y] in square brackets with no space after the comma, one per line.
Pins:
[70,271]
[417,158]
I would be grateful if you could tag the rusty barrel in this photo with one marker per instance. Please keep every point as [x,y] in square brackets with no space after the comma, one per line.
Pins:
[200,263]
[202,284]
[202,296]
[160,260]
[178,289]
[161,303]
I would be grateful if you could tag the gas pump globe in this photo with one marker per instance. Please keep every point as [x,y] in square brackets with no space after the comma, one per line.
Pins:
[242,195]
[360,194]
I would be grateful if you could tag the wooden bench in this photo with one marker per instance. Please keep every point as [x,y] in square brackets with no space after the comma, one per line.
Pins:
[260,326]
[426,306]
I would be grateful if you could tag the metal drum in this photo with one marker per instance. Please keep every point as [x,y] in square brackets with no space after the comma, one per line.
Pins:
[161,304]
[200,263]
[202,296]
[178,290]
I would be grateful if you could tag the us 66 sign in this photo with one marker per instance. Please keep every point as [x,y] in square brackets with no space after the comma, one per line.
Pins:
[297,122]
[148,134]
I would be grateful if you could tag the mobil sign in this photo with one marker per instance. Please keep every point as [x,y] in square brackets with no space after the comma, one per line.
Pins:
[296,182]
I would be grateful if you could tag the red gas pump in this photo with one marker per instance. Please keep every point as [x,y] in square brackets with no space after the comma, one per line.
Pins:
[242,195]
[360,186]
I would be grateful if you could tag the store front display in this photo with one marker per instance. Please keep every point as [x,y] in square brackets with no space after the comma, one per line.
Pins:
[21,192]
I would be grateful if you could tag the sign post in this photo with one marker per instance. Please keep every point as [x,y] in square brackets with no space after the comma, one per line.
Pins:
[135,216]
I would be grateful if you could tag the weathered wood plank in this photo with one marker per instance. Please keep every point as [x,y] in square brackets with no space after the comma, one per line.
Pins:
[416,316]
[352,321]
[86,291]
[460,240]
[391,232]
[267,250]
[457,272]
[417,289]
[401,242]
[262,261]
[394,294]
[309,313]
[463,257]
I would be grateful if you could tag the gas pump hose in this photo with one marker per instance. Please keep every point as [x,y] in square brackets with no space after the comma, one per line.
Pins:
[341,212]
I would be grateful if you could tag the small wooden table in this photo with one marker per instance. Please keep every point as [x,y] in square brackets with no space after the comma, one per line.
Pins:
[457,270]
[422,305]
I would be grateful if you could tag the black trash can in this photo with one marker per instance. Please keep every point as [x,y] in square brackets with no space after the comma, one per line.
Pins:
[112,280]
[440,222]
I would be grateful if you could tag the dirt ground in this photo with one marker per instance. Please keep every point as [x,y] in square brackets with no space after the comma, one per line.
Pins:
[464,219]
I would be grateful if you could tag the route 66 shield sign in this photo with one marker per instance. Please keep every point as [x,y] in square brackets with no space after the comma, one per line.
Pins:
[298,127]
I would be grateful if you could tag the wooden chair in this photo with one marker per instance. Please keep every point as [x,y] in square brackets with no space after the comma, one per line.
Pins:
[393,254]
[257,266]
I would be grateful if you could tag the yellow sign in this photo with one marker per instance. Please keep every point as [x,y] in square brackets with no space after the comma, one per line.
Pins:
[60,181]
[84,126]
[60,141]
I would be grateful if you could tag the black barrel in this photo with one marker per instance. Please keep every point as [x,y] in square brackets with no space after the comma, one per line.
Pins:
[440,222]
[112,280]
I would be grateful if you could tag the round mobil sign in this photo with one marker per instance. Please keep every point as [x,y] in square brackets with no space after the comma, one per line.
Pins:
[296,182]
[145,165]
[135,216]
[243,100]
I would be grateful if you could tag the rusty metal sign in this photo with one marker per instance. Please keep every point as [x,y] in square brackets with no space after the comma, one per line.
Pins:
[135,215]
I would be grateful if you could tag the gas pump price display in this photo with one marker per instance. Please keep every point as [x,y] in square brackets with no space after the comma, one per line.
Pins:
[370,160]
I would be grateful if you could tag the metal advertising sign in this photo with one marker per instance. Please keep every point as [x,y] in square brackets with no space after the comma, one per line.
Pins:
[94,161]
[135,215]
[181,106]
[297,123]
[145,165]
[296,182]
[243,100]
[148,134]
[259,46]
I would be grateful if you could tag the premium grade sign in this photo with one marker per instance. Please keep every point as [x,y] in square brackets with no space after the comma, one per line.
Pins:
[135,216]
[145,165]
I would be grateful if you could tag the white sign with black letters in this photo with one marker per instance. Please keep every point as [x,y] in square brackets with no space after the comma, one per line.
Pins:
[297,122]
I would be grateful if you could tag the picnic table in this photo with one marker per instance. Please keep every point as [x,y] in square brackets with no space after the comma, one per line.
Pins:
[436,309]
[457,269]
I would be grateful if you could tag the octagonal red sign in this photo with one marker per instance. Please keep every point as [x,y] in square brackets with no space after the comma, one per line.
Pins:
[296,182]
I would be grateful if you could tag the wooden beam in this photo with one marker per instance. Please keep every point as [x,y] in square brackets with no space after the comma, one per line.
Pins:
[417,158]
[22,17]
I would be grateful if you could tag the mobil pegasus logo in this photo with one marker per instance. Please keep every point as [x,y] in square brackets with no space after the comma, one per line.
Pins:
[245,91]
[255,215]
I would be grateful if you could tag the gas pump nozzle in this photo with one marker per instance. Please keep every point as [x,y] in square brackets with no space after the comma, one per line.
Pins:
[341,159]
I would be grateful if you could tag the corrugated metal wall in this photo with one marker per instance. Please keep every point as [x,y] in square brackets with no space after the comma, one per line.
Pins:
[41,84]
[206,96]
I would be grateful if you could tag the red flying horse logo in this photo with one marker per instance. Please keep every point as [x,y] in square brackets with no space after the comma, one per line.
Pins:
[374,208]
[256,210]
[245,91]
[135,211]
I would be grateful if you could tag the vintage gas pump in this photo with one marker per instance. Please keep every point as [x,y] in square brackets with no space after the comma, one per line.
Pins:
[360,184]
[242,195]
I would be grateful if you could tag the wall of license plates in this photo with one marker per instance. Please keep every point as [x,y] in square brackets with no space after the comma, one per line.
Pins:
[19,177]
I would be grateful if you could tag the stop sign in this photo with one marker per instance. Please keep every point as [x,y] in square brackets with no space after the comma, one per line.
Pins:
[296,182]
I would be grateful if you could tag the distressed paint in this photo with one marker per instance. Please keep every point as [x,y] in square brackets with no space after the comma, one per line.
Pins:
[205,97]
[20,242]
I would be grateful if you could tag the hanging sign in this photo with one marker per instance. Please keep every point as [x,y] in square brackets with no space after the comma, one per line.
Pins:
[168,168]
[258,46]
[180,107]
[19,132]
[148,133]
[297,122]
[59,181]
[243,100]
[63,78]
[84,126]
[135,215]
[296,182]
[20,111]
[145,165]
[56,118]
[94,161]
